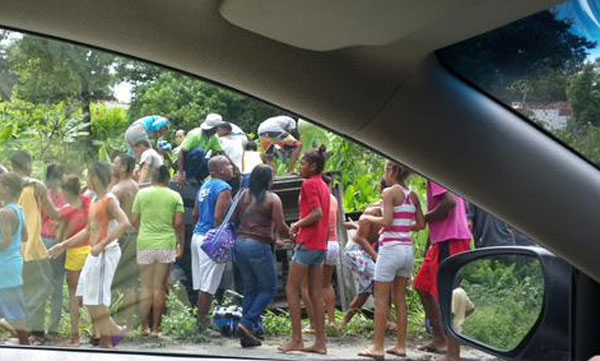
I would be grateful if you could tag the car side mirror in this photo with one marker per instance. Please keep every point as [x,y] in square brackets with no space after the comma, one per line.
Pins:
[512,302]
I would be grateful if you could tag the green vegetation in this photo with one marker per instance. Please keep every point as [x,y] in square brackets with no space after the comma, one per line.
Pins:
[181,321]
[507,294]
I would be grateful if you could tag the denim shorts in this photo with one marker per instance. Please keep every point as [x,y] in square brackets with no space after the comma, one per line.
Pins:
[307,257]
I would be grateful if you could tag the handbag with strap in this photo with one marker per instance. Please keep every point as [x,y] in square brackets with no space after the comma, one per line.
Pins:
[219,242]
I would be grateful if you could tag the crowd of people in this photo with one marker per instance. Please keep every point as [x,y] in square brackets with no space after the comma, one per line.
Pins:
[157,206]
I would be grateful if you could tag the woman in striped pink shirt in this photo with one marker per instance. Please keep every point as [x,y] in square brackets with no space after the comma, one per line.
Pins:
[402,214]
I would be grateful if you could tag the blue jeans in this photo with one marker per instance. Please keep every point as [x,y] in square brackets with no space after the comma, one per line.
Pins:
[57,280]
[257,266]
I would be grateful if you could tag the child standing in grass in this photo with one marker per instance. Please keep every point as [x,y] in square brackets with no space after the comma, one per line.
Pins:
[75,215]
[312,233]
[401,216]
[14,233]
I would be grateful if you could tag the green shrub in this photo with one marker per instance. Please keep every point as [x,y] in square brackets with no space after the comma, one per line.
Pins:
[181,322]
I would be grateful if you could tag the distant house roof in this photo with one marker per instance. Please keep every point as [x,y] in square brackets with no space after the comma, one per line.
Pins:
[564,108]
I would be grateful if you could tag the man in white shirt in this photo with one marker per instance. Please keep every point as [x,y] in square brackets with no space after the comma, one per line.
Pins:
[149,161]
[233,140]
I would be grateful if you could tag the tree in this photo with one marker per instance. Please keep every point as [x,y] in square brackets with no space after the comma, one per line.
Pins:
[7,78]
[584,95]
[531,49]
[49,72]
[186,101]
[50,132]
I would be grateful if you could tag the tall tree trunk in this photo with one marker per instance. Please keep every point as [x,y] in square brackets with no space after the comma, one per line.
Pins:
[90,150]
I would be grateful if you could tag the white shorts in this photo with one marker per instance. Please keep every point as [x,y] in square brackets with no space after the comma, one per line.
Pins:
[206,273]
[333,253]
[97,275]
[394,260]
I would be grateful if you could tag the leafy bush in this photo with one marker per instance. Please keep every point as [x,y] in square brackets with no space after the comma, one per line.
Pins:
[181,322]
[507,294]
[277,323]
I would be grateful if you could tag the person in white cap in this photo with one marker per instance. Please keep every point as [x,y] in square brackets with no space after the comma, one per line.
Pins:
[202,137]
[280,133]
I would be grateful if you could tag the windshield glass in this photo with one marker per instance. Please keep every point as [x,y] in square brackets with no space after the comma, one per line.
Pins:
[144,209]
[544,66]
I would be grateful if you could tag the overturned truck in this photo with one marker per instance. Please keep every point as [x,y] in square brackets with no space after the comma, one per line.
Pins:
[288,189]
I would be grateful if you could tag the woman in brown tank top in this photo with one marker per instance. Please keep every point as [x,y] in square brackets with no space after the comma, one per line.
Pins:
[260,215]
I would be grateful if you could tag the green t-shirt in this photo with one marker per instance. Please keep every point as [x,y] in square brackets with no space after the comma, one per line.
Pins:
[195,139]
[156,207]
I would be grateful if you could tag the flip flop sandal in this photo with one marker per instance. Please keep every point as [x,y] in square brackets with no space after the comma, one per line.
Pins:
[368,353]
[395,353]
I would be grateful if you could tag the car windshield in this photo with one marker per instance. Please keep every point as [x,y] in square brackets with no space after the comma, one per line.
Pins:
[546,67]
[144,209]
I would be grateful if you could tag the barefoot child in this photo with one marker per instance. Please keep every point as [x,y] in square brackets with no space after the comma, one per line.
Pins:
[312,232]
[402,215]
[75,215]
[106,223]
[13,233]
[360,256]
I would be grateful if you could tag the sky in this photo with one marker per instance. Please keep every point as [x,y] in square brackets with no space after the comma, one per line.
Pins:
[122,92]
[585,16]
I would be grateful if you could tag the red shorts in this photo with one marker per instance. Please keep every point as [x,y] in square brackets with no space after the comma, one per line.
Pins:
[427,277]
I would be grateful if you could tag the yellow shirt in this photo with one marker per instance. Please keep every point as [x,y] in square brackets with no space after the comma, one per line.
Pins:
[33,249]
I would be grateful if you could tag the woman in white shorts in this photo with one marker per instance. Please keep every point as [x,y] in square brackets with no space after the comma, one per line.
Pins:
[106,223]
[158,214]
[402,215]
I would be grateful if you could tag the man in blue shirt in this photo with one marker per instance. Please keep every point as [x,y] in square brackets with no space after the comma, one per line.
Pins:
[212,203]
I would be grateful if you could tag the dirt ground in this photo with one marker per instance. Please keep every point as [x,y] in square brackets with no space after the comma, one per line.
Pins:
[342,348]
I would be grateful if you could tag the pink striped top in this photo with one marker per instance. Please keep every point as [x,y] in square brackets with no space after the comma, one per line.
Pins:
[404,218]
